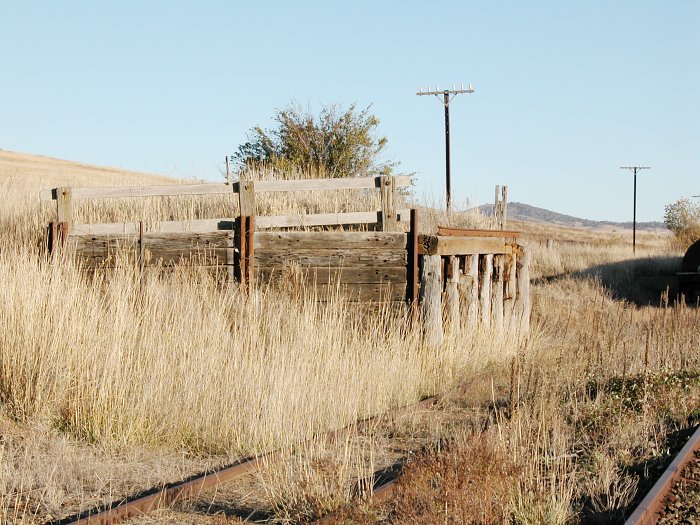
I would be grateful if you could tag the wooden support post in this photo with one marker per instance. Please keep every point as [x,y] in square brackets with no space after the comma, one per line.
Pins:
[52,238]
[469,289]
[412,285]
[246,197]
[523,297]
[452,295]
[497,207]
[388,189]
[511,284]
[142,253]
[64,206]
[485,272]
[430,293]
[250,252]
[504,207]
[242,248]
[230,257]
[497,292]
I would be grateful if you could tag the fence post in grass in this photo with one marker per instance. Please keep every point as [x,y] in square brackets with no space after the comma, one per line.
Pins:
[469,288]
[523,297]
[504,207]
[64,205]
[250,252]
[388,191]
[430,296]
[452,294]
[246,197]
[485,273]
[142,254]
[242,248]
[230,257]
[497,292]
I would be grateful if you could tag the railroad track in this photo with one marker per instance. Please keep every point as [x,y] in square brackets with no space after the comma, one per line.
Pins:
[161,497]
[675,498]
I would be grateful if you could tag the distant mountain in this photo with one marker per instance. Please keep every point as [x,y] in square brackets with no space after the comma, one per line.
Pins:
[518,211]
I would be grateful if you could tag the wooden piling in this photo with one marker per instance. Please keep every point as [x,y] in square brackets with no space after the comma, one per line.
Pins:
[246,198]
[230,258]
[485,273]
[452,294]
[250,252]
[523,298]
[64,206]
[388,191]
[413,278]
[469,289]
[430,296]
[497,292]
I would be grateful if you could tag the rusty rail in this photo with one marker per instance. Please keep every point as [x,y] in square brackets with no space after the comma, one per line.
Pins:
[158,498]
[649,510]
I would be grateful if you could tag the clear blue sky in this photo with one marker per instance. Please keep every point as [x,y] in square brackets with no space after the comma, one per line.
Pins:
[565,91]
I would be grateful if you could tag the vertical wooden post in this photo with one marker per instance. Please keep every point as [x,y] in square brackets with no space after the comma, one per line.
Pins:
[497,207]
[511,284]
[412,270]
[230,257]
[246,197]
[431,292]
[242,248]
[250,252]
[388,189]
[504,208]
[485,273]
[52,237]
[64,205]
[523,298]
[469,288]
[497,292]
[142,253]
[452,294]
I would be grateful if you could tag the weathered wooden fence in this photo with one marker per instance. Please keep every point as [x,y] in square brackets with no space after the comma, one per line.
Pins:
[477,276]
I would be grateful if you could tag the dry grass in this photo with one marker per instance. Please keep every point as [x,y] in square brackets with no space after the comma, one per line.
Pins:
[114,378]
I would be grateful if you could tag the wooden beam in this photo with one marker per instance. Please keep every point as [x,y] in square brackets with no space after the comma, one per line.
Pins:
[64,206]
[430,298]
[242,246]
[230,258]
[246,198]
[156,240]
[468,232]
[343,183]
[332,258]
[250,252]
[325,219]
[445,245]
[344,275]
[293,241]
[469,289]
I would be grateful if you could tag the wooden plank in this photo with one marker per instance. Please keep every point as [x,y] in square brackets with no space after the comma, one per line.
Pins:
[485,273]
[242,248]
[230,259]
[293,241]
[144,191]
[165,190]
[332,257]
[183,241]
[497,292]
[132,228]
[91,258]
[250,252]
[430,299]
[468,232]
[246,198]
[325,275]
[445,245]
[325,219]
[359,292]
[388,194]
[452,295]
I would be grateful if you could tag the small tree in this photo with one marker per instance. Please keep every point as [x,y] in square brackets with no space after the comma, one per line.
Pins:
[337,143]
[683,219]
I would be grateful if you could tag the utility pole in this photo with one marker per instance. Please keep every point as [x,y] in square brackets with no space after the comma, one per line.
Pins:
[447,96]
[634,212]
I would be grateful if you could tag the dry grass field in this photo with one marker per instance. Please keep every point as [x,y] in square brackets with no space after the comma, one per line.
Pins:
[108,387]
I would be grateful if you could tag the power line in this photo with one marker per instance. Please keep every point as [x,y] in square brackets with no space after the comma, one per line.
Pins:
[634,213]
[447,96]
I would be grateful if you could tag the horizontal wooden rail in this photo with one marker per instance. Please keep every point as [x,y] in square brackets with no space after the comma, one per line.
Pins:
[349,183]
[448,245]
[261,222]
